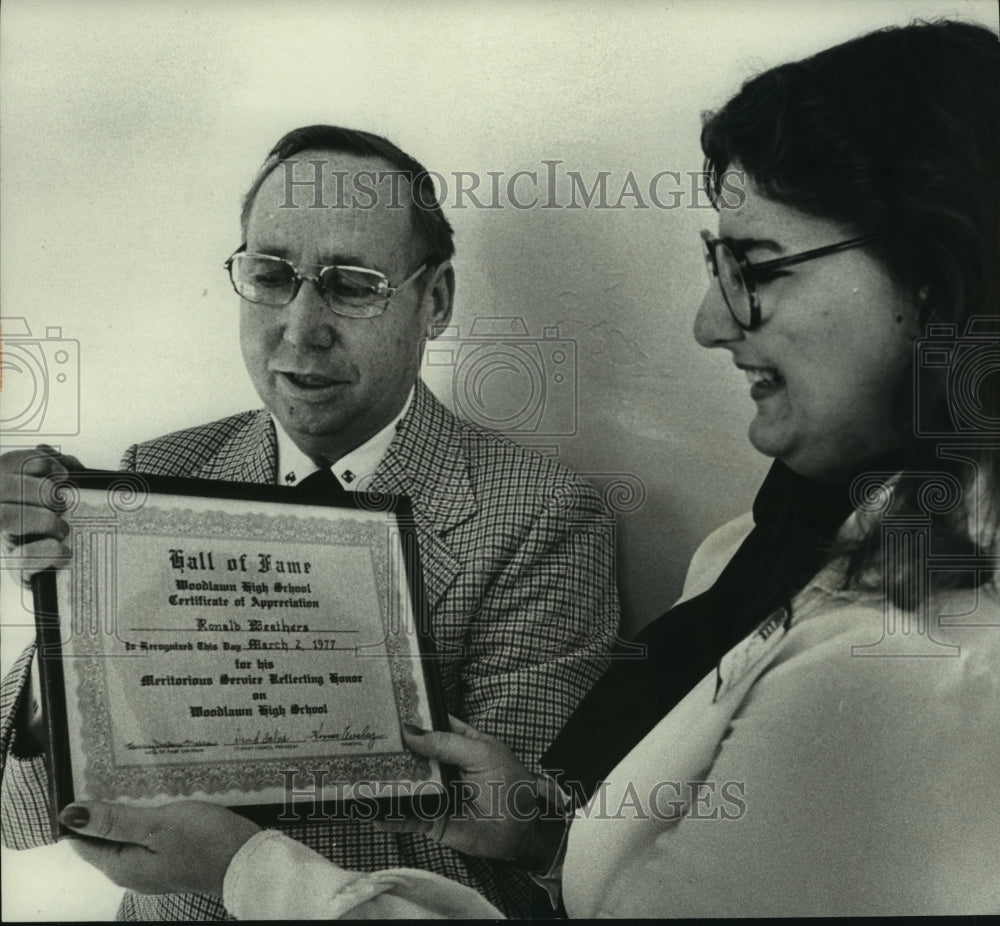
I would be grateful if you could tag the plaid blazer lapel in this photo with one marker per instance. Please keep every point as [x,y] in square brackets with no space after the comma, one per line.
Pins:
[249,456]
[426,463]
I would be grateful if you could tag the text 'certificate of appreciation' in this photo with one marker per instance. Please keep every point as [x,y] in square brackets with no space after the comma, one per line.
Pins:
[249,648]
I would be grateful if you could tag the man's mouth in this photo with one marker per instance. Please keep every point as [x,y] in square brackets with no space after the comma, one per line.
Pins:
[309,381]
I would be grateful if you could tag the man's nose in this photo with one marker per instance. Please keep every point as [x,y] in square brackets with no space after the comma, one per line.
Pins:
[309,322]
[714,325]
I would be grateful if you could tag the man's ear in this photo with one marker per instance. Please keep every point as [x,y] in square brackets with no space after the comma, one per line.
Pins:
[440,290]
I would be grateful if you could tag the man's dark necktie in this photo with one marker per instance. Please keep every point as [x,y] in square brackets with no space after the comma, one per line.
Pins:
[324,482]
[795,522]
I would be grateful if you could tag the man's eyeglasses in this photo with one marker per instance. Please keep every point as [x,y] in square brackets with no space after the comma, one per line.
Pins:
[738,278]
[355,292]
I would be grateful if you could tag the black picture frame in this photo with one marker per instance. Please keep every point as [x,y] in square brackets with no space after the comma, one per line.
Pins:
[67,667]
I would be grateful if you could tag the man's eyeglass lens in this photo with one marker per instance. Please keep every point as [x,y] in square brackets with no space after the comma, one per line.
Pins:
[272,281]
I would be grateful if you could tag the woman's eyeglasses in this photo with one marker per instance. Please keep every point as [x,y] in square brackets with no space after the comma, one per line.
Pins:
[738,278]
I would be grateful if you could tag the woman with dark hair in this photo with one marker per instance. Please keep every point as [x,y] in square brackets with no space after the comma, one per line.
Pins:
[815,727]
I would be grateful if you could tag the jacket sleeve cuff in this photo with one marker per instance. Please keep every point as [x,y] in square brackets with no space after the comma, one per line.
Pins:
[24,803]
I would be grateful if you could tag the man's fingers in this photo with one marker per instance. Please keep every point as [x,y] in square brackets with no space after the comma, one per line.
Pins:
[34,557]
[27,476]
[113,822]
[45,460]
[22,523]
[31,496]
[70,463]
[31,529]
[34,466]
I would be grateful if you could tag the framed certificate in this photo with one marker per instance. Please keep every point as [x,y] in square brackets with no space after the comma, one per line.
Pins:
[252,646]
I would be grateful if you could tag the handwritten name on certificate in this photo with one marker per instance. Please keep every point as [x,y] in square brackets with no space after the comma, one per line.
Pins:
[210,644]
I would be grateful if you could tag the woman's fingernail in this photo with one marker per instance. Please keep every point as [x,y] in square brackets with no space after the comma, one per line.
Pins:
[74,816]
[412,729]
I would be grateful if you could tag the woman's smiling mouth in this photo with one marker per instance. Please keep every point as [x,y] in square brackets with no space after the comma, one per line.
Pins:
[764,381]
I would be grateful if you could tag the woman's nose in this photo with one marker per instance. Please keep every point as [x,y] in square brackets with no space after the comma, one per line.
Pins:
[714,325]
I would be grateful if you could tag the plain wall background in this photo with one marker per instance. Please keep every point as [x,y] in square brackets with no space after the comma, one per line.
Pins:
[130,130]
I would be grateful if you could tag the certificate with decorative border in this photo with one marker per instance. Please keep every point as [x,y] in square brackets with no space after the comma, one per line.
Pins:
[254,646]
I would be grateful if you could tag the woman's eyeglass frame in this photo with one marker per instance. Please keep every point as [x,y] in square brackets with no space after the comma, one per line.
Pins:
[752,274]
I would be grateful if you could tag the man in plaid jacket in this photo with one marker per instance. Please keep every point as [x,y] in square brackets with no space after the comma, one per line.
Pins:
[516,549]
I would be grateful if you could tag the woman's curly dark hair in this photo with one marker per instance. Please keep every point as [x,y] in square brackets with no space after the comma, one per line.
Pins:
[897,133]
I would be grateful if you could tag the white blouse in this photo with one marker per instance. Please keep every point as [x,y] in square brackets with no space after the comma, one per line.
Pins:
[840,766]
